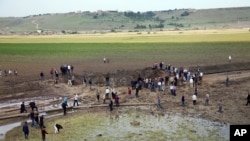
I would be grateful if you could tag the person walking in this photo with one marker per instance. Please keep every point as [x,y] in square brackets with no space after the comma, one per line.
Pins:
[41,121]
[137,91]
[26,130]
[248,99]
[129,93]
[111,105]
[33,106]
[44,132]
[220,106]
[183,100]
[116,100]
[64,106]
[76,100]
[159,103]
[23,109]
[207,100]
[194,98]
[32,117]
[98,95]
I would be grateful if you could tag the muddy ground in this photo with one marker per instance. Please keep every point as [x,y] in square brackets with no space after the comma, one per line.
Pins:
[21,87]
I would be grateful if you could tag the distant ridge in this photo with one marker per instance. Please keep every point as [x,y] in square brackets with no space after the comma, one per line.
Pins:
[115,21]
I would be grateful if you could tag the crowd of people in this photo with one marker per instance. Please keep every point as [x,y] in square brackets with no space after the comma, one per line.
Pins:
[36,120]
[173,78]
[8,72]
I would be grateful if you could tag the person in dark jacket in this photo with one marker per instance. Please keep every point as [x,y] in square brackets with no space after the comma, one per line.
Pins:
[64,106]
[111,105]
[248,99]
[33,106]
[41,121]
[183,100]
[23,109]
[57,128]
[26,130]
[32,117]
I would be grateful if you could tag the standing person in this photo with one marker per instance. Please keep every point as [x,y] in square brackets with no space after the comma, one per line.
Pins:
[183,100]
[137,91]
[227,81]
[107,80]
[116,100]
[191,82]
[104,60]
[73,80]
[64,106]
[98,95]
[194,98]
[159,103]
[15,72]
[37,119]
[107,91]
[57,77]
[76,100]
[26,130]
[52,73]
[90,84]
[65,100]
[41,76]
[229,58]
[44,132]
[113,93]
[248,99]
[220,106]
[23,109]
[41,121]
[69,81]
[111,105]
[129,93]
[32,117]
[207,100]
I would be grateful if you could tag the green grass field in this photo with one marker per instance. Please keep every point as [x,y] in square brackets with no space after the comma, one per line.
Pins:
[188,48]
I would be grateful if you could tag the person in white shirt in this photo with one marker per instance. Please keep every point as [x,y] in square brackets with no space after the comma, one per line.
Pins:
[194,98]
[191,81]
[76,100]
[107,91]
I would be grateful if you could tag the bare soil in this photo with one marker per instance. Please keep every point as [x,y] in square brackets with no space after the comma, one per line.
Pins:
[27,85]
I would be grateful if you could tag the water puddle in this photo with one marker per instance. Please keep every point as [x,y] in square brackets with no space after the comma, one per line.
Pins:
[158,127]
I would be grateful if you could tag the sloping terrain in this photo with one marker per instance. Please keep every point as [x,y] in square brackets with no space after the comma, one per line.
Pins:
[115,21]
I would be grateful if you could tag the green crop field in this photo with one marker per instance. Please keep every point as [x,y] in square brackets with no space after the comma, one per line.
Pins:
[126,50]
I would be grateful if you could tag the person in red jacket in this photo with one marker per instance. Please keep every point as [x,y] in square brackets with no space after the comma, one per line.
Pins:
[116,100]
[129,93]
[44,132]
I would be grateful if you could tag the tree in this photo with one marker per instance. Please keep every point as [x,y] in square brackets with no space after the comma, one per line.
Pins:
[186,13]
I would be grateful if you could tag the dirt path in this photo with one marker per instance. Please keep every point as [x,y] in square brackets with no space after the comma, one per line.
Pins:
[36,24]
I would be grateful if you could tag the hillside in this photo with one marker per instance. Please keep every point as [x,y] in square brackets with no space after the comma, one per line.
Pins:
[115,21]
